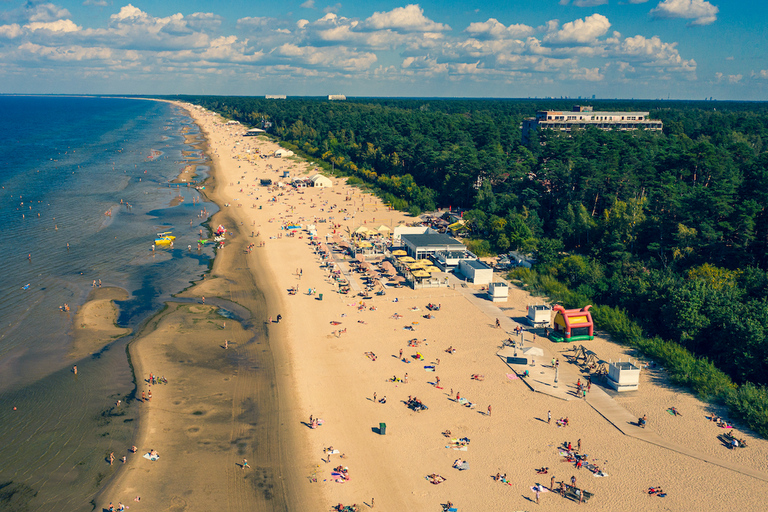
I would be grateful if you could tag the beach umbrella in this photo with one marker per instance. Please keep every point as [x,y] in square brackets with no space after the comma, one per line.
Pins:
[431,269]
[406,259]
[399,252]
[420,273]
[383,229]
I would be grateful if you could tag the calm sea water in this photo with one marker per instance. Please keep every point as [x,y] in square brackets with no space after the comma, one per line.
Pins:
[64,163]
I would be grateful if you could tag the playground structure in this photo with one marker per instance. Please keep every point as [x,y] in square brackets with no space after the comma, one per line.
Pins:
[587,360]
[572,325]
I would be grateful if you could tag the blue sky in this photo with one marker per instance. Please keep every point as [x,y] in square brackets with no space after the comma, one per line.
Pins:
[686,49]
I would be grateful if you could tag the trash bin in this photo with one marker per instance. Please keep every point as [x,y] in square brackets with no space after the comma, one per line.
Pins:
[321,296]
[382,429]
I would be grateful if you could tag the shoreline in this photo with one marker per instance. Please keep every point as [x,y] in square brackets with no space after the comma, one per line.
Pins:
[251,337]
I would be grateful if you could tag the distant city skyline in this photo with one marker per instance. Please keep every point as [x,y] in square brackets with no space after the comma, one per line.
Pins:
[644,49]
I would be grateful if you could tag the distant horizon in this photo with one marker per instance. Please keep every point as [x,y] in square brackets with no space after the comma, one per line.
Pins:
[686,49]
[348,97]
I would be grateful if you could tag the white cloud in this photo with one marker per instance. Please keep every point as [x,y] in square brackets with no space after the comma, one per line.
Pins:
[329,58]
[404,19]
[581,31]
[64,53]
[53,26]
[493,29]
[332,8]
[97,3]
[309,4]
[700,11]
[586,74]
[763,73]
[11,31]
[734,79]
[589,3]
[653,53]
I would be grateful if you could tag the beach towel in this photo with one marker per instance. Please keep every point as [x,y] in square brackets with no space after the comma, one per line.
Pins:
[512,376]
[542,489]
[463,401]
[463,466]
[151,457]
[601,474]
[429,368]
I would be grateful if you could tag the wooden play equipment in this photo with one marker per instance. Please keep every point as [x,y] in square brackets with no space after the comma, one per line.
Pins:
[572,325]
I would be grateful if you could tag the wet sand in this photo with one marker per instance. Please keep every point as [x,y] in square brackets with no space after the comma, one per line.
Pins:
[95,322]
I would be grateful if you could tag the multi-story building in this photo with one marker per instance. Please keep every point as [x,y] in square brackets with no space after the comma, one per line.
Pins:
[583,117]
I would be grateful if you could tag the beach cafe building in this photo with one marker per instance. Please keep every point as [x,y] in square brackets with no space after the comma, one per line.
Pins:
[426,245]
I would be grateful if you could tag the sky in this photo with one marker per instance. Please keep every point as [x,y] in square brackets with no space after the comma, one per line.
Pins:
[678,49]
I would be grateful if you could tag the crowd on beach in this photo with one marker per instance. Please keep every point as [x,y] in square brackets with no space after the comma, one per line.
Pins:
[352,296]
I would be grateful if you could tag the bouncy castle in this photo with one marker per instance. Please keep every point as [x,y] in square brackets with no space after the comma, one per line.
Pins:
[572,324]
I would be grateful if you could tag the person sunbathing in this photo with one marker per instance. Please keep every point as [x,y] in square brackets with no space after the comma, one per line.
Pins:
[477,376]
[457,463]
[383,400]
[451,350]
[542,471]
[447,433]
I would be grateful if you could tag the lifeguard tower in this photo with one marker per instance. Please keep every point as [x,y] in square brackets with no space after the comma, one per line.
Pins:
[623,376]
[498,292]
[539,316]
[572,325]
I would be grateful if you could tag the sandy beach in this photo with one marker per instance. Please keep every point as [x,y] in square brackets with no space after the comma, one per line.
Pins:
[245,387]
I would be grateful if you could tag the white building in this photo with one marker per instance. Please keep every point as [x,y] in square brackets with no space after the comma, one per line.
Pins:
[336,97]
[476,271]
[275,97]
[318,180]
[280,153]
[582,117]
[253,132]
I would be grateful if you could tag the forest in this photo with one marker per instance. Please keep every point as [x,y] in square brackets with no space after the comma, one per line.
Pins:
[667,232]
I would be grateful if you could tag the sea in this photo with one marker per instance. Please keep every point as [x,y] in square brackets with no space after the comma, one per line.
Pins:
[86,188]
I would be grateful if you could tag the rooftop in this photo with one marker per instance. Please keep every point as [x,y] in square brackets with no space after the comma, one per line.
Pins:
[431,240]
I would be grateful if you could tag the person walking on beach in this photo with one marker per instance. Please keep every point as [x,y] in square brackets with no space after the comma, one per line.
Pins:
[74,369]
[149,395]
[498,324]
[489,411]
[578,446]
[111,458]
[552,484]
[536,487]
[401,355]
[245,464]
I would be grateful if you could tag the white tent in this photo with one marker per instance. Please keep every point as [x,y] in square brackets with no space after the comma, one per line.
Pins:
[318,180]
[533,351]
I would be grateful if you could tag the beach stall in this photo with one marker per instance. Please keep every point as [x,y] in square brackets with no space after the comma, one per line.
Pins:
[623,376]
[572,324]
